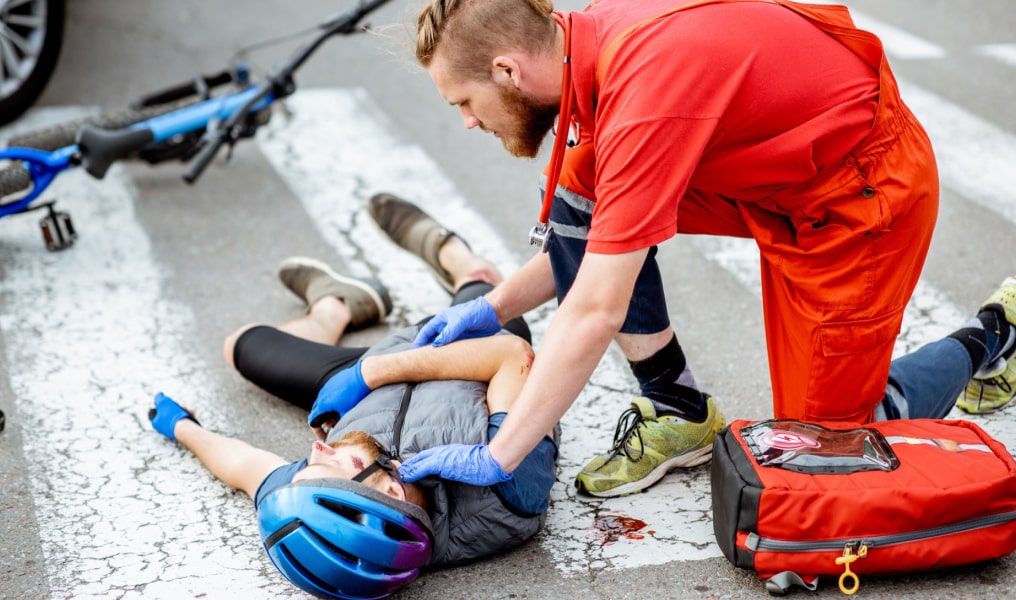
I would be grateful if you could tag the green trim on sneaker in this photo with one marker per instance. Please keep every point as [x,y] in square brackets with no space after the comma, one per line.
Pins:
[366,298]
[646,447]
[997,387]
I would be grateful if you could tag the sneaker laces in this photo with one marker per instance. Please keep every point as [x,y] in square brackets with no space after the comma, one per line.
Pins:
[998,381]
[628,426]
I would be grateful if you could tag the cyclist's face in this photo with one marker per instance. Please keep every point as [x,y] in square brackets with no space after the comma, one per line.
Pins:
[345,462]
[501,109]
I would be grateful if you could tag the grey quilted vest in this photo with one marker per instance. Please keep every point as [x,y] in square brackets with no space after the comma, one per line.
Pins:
[469,522]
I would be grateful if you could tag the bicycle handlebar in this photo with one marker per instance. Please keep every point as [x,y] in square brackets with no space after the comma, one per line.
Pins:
[279,84]
[197,86]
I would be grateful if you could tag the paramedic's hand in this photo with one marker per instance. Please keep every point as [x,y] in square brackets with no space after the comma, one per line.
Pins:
[472,319]
[167,414]
[337,396]
[456,462]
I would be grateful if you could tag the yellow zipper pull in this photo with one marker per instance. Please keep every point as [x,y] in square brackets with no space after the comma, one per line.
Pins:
[848,575]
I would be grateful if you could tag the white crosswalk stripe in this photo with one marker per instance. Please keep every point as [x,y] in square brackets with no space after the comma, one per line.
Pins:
[91,335]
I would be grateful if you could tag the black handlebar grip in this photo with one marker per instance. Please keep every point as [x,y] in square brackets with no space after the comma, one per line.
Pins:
[14,179]
[203,158]
[184,90]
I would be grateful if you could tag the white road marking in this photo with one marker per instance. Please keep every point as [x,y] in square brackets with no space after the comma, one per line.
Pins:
[975,158]
[1005,53]
[90,335]
[897,42]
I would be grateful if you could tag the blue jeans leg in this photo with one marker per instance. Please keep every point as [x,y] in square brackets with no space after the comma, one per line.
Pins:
[925,383]
[570,216]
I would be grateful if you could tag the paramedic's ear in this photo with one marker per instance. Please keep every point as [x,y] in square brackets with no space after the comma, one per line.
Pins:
[507,69]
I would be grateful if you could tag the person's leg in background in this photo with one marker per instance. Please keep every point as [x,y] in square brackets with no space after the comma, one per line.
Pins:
[973,368]
[293,360]
[462,273]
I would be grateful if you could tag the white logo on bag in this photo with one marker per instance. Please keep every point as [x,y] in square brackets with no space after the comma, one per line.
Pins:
[782,439]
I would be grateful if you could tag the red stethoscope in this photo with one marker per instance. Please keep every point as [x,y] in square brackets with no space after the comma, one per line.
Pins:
[541,233]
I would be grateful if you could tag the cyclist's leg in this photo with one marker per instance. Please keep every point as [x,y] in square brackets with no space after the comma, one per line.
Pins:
[289,367]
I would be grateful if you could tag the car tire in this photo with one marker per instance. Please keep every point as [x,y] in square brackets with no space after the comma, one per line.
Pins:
[30,39]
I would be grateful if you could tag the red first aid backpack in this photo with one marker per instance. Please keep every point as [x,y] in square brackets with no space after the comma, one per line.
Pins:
[794,500]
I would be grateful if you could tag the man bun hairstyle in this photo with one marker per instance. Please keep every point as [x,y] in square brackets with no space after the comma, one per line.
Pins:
[471,32]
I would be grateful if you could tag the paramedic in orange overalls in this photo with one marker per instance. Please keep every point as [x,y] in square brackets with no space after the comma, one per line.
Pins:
[750,118]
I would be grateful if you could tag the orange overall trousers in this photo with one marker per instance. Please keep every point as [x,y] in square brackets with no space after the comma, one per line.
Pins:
[840,254]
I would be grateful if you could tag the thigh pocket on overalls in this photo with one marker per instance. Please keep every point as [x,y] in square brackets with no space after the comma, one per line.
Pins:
[855,208]
[836,239]
[851,367]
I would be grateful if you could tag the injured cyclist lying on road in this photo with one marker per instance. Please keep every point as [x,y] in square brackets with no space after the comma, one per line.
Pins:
[342,523]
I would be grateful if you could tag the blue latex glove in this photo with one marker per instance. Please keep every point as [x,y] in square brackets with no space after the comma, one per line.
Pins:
[338,395]
[456,462]
[472,319]
[166,414]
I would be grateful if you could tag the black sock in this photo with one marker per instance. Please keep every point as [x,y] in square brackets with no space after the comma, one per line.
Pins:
[987,337]
[658,378]
[974,340]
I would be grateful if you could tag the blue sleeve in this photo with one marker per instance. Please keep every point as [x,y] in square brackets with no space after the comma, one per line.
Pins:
[278,478]
[528,491]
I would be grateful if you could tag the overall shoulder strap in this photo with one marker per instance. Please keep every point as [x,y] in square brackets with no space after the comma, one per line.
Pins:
[820,14]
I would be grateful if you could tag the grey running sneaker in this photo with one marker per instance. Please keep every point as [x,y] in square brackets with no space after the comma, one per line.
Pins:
[367,299]
[413,230]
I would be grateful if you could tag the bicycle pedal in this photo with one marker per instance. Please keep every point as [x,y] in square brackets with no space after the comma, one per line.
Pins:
[57,230]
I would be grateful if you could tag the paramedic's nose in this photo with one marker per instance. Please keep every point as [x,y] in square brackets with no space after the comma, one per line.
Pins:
[468,118]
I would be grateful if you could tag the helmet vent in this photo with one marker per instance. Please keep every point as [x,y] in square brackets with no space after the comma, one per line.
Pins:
[400,533]
[342,510]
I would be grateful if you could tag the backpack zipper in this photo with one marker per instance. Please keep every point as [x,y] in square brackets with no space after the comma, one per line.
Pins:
[857,548]
[756,542]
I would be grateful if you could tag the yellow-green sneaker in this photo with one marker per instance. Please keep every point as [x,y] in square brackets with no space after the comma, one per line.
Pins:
[646,447]
[990,394]
[995,386]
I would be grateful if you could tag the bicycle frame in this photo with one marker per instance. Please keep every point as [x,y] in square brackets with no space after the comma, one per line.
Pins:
[44,167]
[222,119]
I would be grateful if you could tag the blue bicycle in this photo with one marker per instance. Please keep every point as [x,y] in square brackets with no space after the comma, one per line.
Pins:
[185,122]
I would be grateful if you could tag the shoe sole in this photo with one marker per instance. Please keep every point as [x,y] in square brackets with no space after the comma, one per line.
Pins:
[383,303]
[978,409]
[693,458]
[439,276]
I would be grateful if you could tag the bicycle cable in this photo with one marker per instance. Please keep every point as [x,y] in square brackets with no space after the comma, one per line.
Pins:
[243,52]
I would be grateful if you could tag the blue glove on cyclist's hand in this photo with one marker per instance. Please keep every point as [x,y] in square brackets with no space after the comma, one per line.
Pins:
[472,319]
[166,414]
[456,462]
[338,395]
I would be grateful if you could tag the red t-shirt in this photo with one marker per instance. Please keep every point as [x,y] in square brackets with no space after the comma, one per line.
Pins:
[738,99]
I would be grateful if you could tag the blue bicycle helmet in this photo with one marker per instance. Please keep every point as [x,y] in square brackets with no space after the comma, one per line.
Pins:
[338,538]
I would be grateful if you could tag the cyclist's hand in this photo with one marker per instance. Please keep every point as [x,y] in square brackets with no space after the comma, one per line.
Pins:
[472,319]
[166,414]
[337,396]
[456,462]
